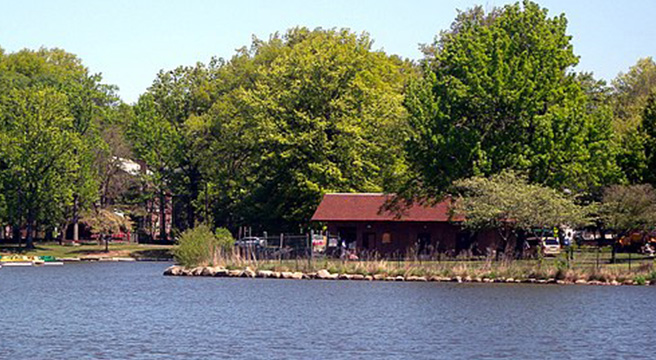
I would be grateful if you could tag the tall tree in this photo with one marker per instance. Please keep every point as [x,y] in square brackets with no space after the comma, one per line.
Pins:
[37,144]
[498,93]
[321,111]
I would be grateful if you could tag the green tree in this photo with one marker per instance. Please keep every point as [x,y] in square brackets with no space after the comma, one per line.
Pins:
[309,112]
[630,93]
[647,130]
[508,204]
[37,147]
[498,92]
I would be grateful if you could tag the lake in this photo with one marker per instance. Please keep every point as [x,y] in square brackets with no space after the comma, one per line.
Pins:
[131,311]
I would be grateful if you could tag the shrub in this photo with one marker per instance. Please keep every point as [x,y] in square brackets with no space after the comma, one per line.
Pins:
[199,246]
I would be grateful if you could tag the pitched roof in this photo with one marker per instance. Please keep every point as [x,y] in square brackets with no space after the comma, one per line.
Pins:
[371,207]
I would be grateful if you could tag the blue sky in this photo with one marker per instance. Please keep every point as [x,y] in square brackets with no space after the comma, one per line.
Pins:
[130,41]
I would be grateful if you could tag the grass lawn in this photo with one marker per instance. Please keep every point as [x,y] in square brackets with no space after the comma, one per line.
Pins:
[69,251]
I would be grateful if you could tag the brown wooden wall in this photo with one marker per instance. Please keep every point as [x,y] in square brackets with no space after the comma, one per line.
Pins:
[442,237]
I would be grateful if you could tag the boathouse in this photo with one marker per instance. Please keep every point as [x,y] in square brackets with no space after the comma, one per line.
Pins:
[364,222]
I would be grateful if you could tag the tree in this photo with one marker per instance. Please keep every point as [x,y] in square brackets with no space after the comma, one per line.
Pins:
[648,131]
[86,102]
[507,203]
[321,111]
[106,223]
[498,92]
[37,144]
[630,93]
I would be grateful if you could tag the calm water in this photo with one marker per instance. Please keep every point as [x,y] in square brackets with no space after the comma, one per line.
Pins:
[131,311]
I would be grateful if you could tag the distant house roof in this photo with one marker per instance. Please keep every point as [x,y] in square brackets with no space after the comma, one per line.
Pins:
[371,207]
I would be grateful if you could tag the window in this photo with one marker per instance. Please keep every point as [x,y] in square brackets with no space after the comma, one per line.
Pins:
[387,238]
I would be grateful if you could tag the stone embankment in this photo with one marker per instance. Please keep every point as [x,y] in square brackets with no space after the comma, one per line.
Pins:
[219,271]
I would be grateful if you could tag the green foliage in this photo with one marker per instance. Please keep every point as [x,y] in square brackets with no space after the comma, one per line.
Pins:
[105,222]
[508,201]
[321,111]
[627,208]
[198,246]
[50,109]
[498,93]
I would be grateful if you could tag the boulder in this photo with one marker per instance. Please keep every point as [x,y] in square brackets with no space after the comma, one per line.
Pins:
[399,278]
[390,278]
[416,278]
[379,277]
[628,282]
[297,275]
[264,273]
[197,271]
[344,277]
[580,282]
[220,272]
[357,277]
[615,283]
[510,280]
[309,276]
[207,271]
[173,271]
[325,275]
[286,274]
[467,279]
[234,273]
[248,272]
[369,278]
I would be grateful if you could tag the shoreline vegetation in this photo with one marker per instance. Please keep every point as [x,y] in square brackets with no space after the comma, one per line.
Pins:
[542,271]
[201,252]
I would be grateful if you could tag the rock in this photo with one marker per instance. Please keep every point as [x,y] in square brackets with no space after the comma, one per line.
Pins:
[323,274]
[220,272]
[344,277]
[416,278]
[286,274]
[186,272]
[248,272]
[297,276]
[207,271]
[264,274]
[173,270]
[390,278]
[594,282]
[379,277]
[487,280]
[197,271]
[234,273]
[457,279]
[517,281]
[399,278]
[510,280]
[444,279]
[357,277]
[551,281]
[628,282]
[467,279]
[277,274]
[541,281]
[310,275]
[369,278]
[560,282]
[478,279]
[580,282]
[615,283]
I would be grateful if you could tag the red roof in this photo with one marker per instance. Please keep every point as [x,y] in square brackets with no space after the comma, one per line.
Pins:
[370,207]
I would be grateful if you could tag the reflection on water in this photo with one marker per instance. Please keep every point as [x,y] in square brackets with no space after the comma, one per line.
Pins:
[129,310]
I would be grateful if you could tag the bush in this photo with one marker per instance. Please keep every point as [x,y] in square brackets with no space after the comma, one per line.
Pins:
[200,247]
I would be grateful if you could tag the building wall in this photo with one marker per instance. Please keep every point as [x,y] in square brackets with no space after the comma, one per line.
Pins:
[388,238]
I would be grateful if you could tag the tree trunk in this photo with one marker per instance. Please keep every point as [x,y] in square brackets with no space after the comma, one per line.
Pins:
[16,235]
[29,241]
[75,219]
[162,216]
[106,243]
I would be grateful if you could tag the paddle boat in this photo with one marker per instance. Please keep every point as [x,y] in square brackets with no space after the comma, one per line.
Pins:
[22,260]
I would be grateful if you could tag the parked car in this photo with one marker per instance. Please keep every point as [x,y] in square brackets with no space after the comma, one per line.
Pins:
[550,246]
[251,241]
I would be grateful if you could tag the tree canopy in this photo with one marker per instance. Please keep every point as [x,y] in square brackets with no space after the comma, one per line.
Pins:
[498,92]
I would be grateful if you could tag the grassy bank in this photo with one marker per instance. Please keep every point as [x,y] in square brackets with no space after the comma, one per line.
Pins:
[584,267]
[68,251]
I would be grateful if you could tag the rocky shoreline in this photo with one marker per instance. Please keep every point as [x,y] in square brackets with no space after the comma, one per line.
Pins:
[219,271]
